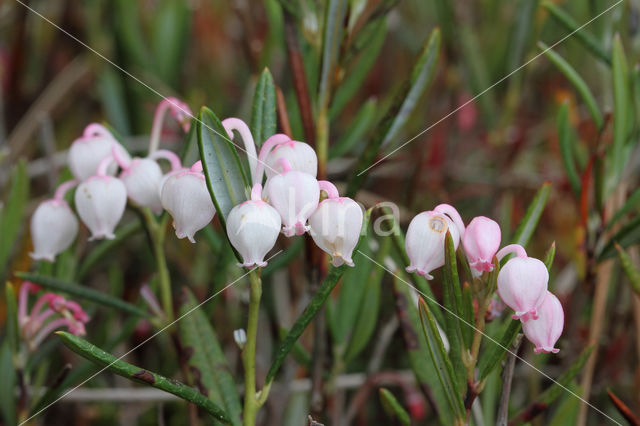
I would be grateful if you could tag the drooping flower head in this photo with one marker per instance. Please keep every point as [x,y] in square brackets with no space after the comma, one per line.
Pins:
[545,331]
[336,224]
[299,156]
[86,152]
[253,227]
[481,243]
[54,226]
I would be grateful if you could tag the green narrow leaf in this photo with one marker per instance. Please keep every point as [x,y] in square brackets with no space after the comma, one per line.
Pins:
[403,105]
[576,80]
[467,313]
[566,140]
[441,360]
[8,402]
[628,235]
[493,352]
[316,302]
[331,39]
[223,170]
[207,363]
[81,292]
[140,375]
[621,105]
[630,270]
[456,332]
[521,33]
[532,216]
[587,39]
[12,332]
[356,131]
[169,33]
[263,112]
[549,256]
[393,408]
[12,213]
[631,203]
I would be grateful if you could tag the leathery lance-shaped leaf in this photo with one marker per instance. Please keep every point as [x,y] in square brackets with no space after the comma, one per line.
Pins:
[580,85]
[263,111]
[628,235]
[549,256]
[206,360]
[393,408]
[226,179]
[528,224]
[82,292]
[554,391]
[457,333]
[583,35]
[12,213]
[140,375]
[416,347]
[493,352]
[566,140]
[630,270]
[621,105]
[316,302]
[402,106]
[441,360]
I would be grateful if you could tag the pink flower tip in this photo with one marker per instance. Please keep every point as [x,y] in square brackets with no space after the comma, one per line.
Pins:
[546,350]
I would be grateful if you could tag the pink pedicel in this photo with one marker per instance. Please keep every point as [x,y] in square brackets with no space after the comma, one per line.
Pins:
[481,242]
[522,285]
[545,331]
[86,152]
[49,313]
[253,227]
[185,196]
[179,110]
[295,195]
[336,224]
[425,239]
[54,226]
[231,124]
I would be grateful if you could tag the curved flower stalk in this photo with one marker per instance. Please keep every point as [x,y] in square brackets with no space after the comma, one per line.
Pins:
[545,331]
[336,224]
[481,241]
[49,313]
[426,234]
[522,283]
[179,110]
[100,202]
[185,196]
[253,228]
[86,152]
[295,195]
[54,226]
[231,124]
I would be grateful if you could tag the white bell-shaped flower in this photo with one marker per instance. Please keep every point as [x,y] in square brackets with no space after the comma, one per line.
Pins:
[142,179]
[186,197]
[295,195]
[86,153]
[425,239]
[253,228]
[54,226]
[522,285]
[100,202]
[336,224]
[300,156]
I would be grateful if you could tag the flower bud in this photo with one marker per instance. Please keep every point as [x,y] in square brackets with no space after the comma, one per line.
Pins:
[522,285]
[142,179]
[481,242]
[185,196]
[424,243]
[295,195]
[335,227]
[300,155]
[545,331]
[86,153]
[100,202]
[53,229]
[253,228]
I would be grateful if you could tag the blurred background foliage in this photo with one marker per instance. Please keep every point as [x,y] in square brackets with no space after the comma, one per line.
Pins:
[488,158]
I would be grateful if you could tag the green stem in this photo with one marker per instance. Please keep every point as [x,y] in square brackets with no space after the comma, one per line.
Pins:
[157,232]
[252,402]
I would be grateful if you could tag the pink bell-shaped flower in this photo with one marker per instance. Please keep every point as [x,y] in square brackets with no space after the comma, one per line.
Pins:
[336,224]
[481,242]
[425,239]
[54,226]
[86,153]
[100,202]
[295,195]
[545,331]
[185,196]
[253,228]
[522,284]
[300,156]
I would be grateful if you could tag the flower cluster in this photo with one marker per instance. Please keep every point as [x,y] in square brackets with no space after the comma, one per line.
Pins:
[522,282]
[49,313]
